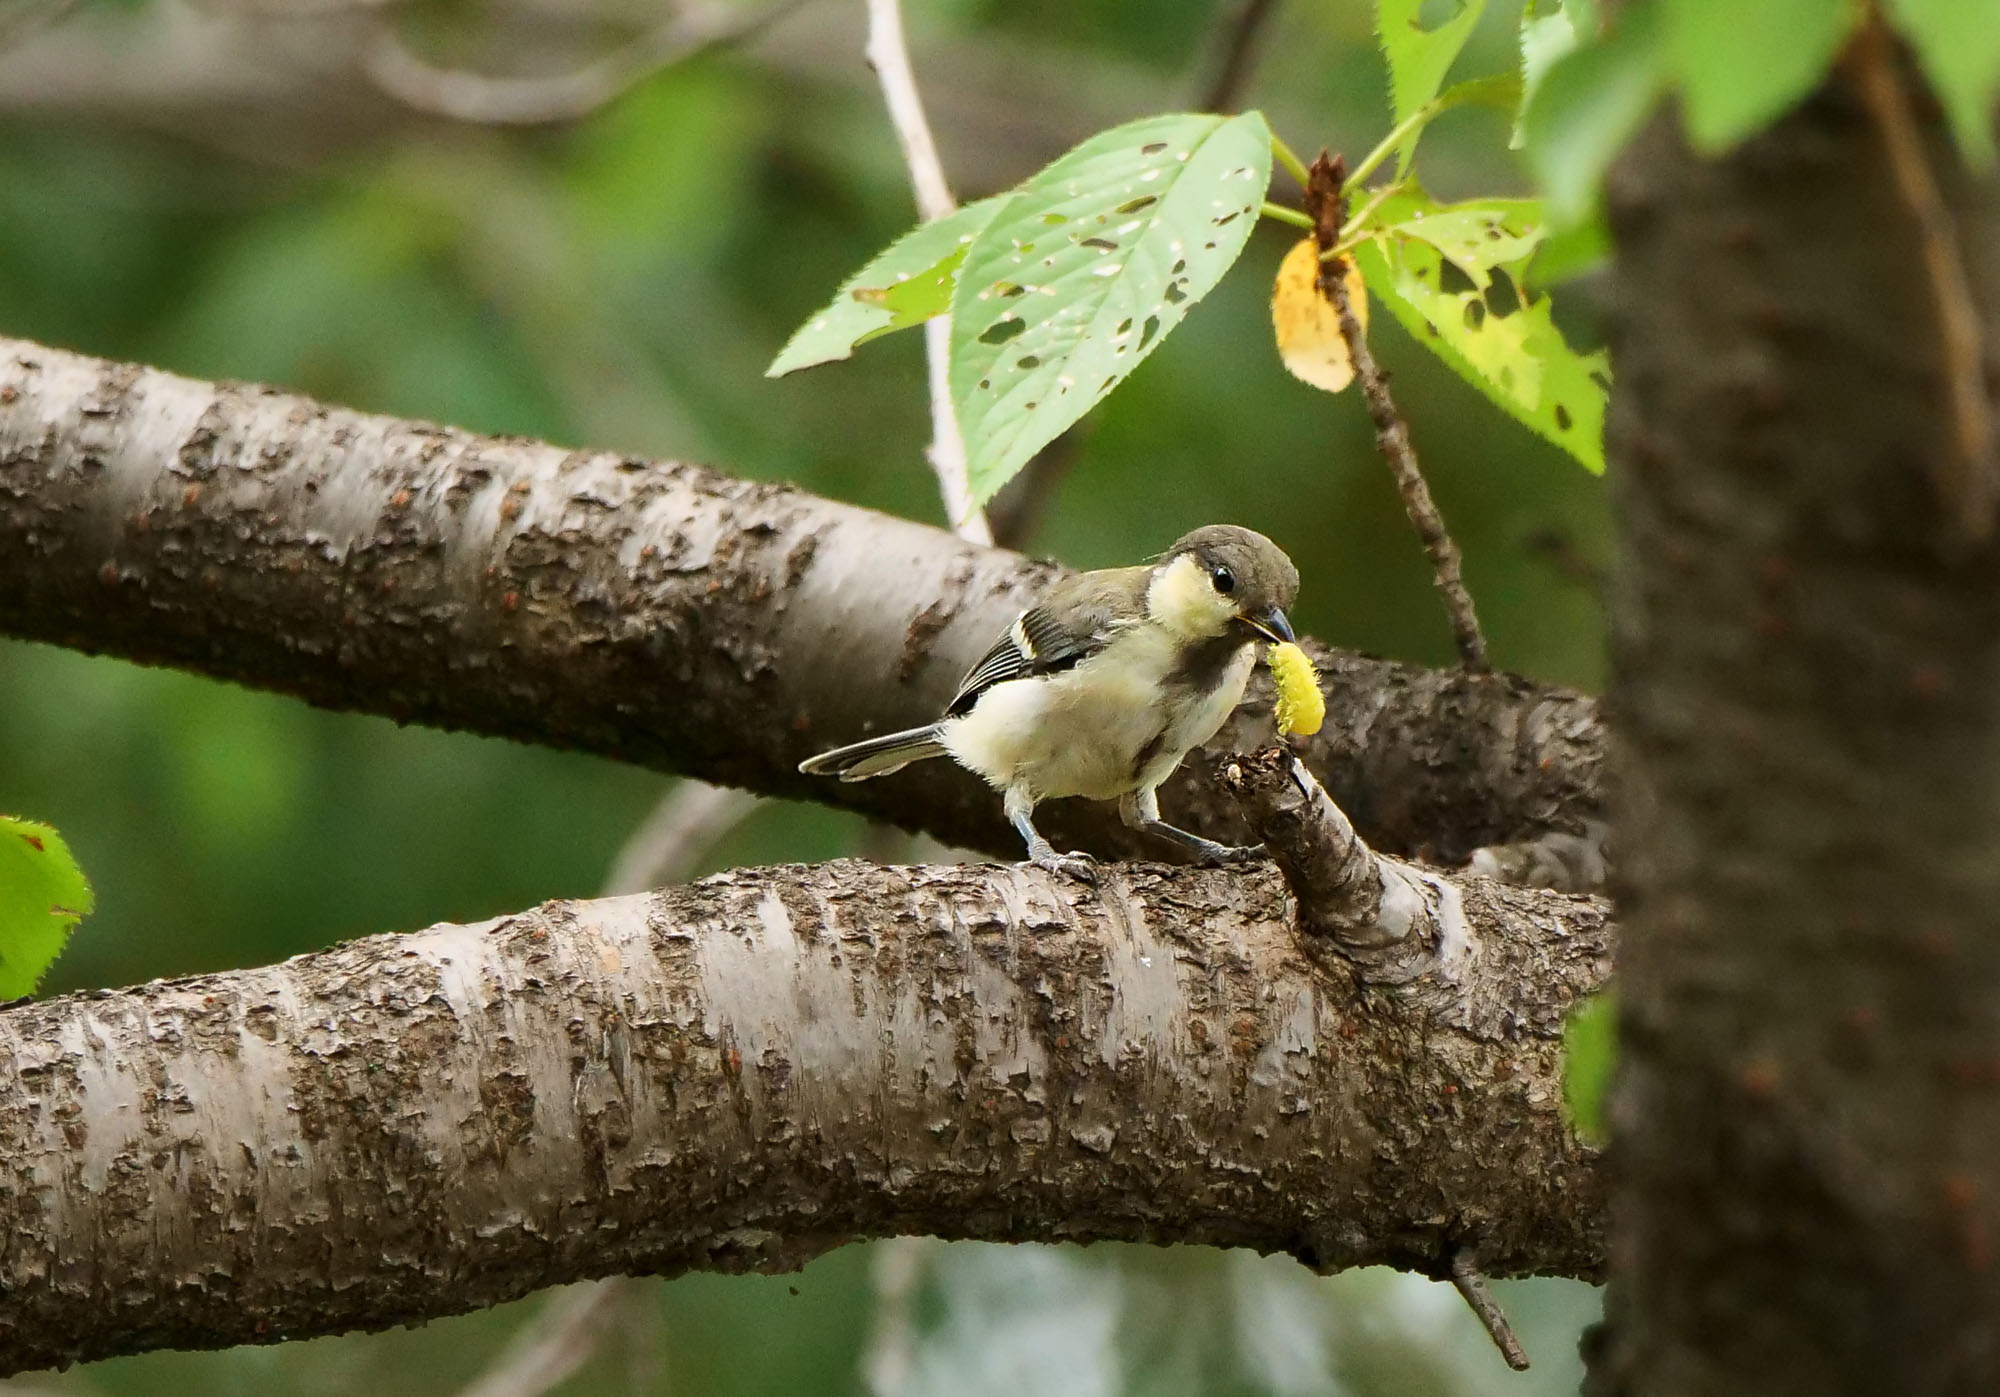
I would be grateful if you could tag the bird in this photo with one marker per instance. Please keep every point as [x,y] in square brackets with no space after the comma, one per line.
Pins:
[1102,687]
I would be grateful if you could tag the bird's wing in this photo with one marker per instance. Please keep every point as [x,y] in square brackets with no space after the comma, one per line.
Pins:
[1074,623]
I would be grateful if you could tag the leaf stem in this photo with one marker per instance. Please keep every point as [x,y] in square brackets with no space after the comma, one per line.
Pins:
[1326,198]
[1289,158]
[1386,147]
[890,58]
[1285,215]
[1351,231]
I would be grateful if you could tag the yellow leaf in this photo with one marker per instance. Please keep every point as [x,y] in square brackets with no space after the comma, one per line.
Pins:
[1301,706]
[1307,326]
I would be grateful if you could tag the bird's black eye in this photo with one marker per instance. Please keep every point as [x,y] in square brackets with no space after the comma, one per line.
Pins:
[1224,580]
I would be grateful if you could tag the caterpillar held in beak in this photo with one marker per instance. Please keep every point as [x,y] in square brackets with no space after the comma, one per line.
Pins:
[1301,707]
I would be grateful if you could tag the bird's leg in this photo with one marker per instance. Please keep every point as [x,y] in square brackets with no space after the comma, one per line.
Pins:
[1020,811]
[1141,811]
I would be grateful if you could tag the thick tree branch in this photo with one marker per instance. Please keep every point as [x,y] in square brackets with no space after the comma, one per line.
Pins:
[645,610]
[742,1073]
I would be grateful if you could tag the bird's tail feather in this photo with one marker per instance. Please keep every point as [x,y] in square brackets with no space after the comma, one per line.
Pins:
[878,756]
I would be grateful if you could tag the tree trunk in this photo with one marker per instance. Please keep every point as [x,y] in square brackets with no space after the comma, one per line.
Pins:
[1807,670]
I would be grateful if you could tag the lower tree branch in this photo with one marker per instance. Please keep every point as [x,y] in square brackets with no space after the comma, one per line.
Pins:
[644,610]
[745,1072]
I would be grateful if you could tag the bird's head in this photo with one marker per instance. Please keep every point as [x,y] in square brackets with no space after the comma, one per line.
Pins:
[1221,578]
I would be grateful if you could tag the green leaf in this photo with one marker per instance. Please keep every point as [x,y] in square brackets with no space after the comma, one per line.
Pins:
[1498,338]
[1087,269]
[43,894]
[1419,58]
[1590,1054]
[1958,44]
[1587,106]
[1478,234]
[1544,39]
[1741,66]
[1501,90]
[904,285]
[1569,252]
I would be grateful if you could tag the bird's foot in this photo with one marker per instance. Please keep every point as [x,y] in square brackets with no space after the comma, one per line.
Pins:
[1233,853]
[1074,864]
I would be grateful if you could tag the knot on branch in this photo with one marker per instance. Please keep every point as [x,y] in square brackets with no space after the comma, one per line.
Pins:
[1391,921]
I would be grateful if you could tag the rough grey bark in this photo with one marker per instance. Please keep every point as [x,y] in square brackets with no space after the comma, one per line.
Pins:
[744,1072]
[1807,667]
[644,610]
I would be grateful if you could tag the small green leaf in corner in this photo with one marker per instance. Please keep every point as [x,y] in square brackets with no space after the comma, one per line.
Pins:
[43,894]
[1590,1054]
[906,284]
[1742,66]
[1958,46]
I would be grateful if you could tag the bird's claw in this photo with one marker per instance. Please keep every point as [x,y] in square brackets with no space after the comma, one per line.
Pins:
[1075,864]
[1236,853]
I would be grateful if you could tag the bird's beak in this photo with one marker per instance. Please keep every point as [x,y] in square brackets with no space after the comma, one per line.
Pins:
[1272,625]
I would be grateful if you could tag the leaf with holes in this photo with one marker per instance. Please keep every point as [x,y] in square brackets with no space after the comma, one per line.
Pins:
[43,894]
[1498,338]
[1419,58]
[1087,269]
[1477,234]
[905,285]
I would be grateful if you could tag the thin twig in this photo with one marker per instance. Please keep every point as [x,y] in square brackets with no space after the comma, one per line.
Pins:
[1965,478]
[560,1340]
[1238,55]
[497,101]
[899,1265]
[690,819]
[1471,1283]
[1326,202]
[21,22]
[890,58]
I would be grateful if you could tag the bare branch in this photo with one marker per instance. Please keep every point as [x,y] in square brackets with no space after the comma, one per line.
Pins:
[21,20]
[649,611]
[899,1266]
[889,56]
[1471,1283]
[560,1341]
[1237,51]
[744,1072]
[1326,201]
[689,821]
[690,31]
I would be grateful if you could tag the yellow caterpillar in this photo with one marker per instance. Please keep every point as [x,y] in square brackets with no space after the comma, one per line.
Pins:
[1301,709]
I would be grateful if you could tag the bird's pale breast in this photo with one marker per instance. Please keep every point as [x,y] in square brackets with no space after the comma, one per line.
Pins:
[1099,730]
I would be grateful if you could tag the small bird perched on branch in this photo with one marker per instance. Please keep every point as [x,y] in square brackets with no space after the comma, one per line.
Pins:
[1104,686]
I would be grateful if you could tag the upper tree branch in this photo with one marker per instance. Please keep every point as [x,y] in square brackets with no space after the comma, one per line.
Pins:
[742,1073]
[650,611]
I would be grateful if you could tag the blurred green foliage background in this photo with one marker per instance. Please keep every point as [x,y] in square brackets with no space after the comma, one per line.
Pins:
[236,190]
